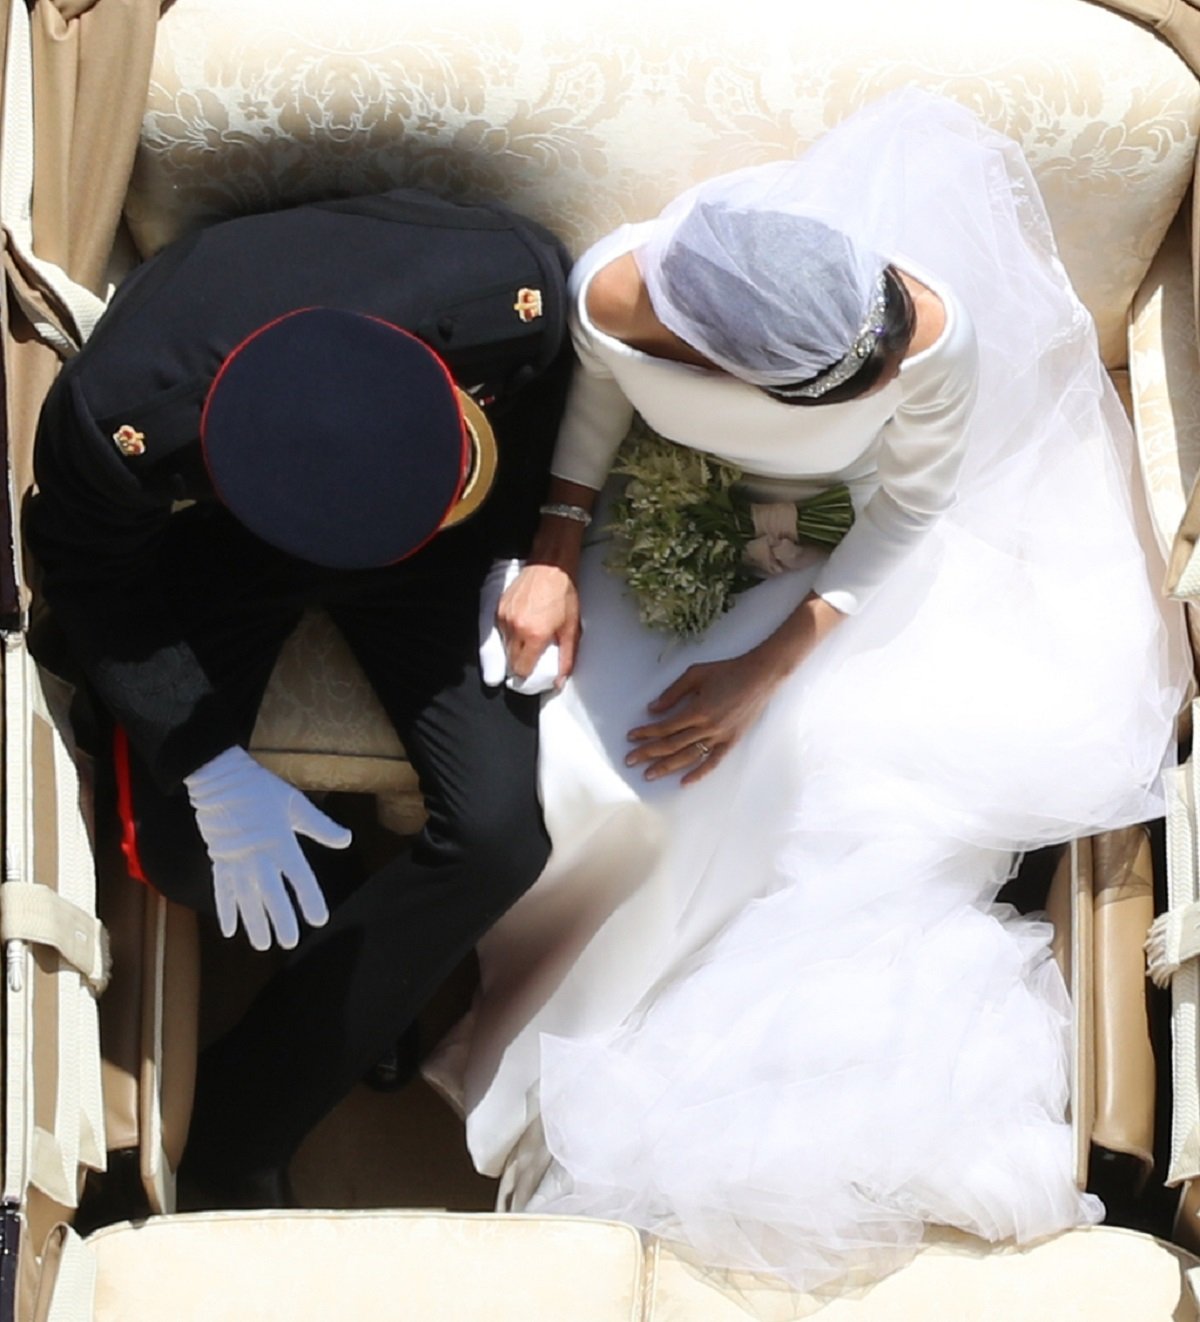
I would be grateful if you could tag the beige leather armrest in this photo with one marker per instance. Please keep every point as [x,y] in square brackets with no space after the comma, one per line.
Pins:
[1101,903]
[1164,371]
[1123,897]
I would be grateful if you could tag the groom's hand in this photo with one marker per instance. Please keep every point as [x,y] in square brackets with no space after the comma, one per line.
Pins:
[493,658]
[540,608]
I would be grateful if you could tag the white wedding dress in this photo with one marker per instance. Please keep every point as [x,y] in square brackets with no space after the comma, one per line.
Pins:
[777,1016]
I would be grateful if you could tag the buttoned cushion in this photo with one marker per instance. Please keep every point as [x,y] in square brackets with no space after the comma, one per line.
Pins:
[422,1267]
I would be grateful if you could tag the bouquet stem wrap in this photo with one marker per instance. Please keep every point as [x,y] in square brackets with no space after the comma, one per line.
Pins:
[688,540]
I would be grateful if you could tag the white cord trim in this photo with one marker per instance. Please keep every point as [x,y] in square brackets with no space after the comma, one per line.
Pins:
[1174,938]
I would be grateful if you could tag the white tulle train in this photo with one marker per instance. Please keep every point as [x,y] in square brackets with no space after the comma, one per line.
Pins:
[840,1068]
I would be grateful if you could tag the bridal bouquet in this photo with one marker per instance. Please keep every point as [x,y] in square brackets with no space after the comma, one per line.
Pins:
[688,540]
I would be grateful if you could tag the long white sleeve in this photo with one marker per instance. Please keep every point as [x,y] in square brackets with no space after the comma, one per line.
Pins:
[921,450]
[595,421]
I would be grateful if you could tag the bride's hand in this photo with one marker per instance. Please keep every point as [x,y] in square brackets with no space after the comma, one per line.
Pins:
[539,608]
[712,705]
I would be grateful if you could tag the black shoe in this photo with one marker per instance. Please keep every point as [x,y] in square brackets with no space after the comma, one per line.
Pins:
[206,1190]
[400,1066]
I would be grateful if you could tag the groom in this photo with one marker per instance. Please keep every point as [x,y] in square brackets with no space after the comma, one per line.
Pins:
[293,409]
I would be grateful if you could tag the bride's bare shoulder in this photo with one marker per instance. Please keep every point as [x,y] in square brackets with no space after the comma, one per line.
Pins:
[930,314]
[613,296]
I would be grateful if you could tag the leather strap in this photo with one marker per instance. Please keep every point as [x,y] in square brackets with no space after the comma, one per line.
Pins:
[33,913]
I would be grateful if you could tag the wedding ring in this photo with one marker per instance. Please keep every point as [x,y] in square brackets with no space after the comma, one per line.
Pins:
[703,747]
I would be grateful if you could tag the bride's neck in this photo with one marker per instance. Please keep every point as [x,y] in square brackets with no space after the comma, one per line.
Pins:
[618,303]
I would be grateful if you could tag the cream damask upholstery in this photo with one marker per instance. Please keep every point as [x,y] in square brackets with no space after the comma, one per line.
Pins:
[322,727]
[588,115]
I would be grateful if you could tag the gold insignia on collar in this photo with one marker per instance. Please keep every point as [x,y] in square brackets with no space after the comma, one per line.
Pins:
[129,440]
[529,304]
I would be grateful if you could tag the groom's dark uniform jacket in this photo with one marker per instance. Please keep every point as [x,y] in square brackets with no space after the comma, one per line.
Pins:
[175,614]
[451,274]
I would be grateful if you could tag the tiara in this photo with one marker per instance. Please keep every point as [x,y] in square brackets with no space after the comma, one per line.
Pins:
[868,337]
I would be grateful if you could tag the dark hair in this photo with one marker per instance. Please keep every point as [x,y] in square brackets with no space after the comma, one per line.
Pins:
[899,324]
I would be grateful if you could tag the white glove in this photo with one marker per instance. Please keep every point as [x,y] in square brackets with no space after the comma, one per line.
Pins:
[250,819]
[493,658]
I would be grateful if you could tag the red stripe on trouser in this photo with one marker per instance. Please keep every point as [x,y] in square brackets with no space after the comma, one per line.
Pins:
[129,845]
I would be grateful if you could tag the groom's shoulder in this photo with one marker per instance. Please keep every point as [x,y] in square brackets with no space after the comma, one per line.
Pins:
[425,210]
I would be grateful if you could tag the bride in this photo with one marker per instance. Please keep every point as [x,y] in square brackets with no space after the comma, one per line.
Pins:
[763,1001]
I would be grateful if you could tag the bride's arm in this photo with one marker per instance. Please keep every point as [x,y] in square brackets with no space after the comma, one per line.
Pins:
[710,706]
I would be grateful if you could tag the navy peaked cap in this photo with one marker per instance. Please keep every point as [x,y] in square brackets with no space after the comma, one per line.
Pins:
[336,437]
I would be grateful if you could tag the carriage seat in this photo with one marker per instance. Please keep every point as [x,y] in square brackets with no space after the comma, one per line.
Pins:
[584,120]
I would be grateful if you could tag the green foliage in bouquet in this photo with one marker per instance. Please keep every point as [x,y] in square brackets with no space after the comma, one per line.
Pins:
[682,527]
[679,539]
